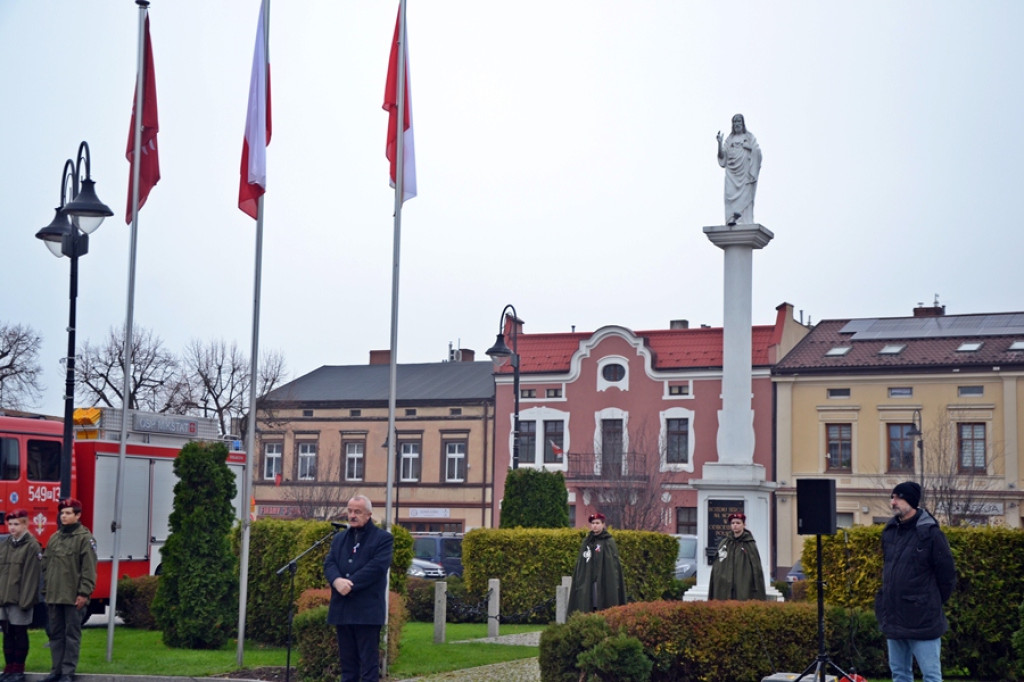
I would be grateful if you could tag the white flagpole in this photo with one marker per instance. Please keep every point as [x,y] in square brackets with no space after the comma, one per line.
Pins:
[129,321]
[396,258]
[401,79]
[250,432]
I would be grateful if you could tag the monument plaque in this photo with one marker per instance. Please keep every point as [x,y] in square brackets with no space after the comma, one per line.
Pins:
[718,520]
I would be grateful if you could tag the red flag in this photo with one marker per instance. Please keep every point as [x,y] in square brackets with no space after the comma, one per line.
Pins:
[556,450]
[149,158]
[391,106]
[253,173]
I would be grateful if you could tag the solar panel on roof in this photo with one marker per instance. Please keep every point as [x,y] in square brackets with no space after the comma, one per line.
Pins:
[934,327]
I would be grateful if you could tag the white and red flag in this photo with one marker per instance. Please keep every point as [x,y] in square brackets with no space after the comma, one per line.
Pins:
[391,106]
[253,173]
[149,158]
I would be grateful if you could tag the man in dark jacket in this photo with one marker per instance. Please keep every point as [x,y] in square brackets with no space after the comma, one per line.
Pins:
[357,570]
[69,567]
[597,579]
[737,572]
[917,578]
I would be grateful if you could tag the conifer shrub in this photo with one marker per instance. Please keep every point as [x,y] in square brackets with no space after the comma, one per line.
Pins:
[615,659]
[135,601]
[561,645]
[535,498]
[196,604]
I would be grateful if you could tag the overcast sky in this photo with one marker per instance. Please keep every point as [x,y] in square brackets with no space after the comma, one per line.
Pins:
[566,165]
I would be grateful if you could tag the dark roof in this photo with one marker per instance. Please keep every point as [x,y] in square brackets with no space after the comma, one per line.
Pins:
[927,344]
[437,381]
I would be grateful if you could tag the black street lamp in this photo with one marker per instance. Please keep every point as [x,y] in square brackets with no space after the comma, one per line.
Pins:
[915,432]
[68,235]
[501,354]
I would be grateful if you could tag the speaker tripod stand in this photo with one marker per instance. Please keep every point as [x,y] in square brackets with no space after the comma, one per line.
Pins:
[821,664]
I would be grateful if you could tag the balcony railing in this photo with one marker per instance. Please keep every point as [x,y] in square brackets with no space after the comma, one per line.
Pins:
[629,467]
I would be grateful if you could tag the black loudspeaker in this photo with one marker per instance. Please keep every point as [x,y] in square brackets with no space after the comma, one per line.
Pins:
[816,506]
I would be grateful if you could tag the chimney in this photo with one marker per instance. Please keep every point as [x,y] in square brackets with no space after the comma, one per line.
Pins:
[468,355]
[929,311]
[679,324]
[380,357]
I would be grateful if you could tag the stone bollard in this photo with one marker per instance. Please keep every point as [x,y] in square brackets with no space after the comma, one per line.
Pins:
[440,610]
[493,606]
[562,599]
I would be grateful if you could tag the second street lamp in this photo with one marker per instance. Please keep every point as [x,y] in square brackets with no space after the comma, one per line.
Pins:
[501,354]
[68,235]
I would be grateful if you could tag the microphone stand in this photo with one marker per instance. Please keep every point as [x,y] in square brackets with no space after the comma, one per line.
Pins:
[291,567]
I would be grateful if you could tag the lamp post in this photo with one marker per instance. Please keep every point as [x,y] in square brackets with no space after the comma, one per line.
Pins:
[915,432]
[68,235]
[501,354]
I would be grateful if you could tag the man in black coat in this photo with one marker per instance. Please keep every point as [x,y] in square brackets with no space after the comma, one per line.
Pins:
[357,570]
[917,578]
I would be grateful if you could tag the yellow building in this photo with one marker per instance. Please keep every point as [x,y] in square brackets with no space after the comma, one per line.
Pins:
[931,398]
[323,438]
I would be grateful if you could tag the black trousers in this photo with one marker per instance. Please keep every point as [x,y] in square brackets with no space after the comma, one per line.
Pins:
[358,652]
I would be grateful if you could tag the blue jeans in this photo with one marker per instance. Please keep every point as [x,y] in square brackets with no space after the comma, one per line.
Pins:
[902,653]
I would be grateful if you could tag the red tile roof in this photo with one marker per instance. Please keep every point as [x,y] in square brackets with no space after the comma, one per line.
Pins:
[670,348]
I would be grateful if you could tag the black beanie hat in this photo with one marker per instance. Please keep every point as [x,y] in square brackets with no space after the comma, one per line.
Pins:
[909,491]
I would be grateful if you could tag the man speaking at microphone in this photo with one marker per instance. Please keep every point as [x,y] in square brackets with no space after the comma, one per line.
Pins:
[357,570]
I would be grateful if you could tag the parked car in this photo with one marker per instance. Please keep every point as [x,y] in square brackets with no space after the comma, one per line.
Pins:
[425,569]
[686,561]
[796,573]
[441,548]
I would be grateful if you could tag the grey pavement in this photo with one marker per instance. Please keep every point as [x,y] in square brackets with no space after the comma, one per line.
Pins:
[523,670]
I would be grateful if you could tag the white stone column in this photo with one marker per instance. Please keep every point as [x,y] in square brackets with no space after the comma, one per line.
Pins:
[734,478]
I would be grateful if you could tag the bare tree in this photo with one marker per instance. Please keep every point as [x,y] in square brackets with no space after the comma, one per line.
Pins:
[20,380]
[216,380]
[627,485]
[155,382]
[326,497]
[956,468]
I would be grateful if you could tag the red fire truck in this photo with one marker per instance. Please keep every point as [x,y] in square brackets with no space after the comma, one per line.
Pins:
[30,457]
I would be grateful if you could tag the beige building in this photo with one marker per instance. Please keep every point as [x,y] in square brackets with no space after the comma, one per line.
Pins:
[323,437]
[871,402]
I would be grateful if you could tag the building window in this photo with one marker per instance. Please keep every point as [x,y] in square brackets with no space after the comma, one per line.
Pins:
[838,392]
[553,393]
[686,520]
[971,439]
[901,392]
[272,461]
[527,393]
[677,441]
[892,349]
[1016,345]
[970,347]
[679,389]
[410,451]
[838,351]
[554,432]
[455,462]
[354,461]
[307,413]
[410,412]
[613,372]
[840,446]
[901,447]
[307,461]
[611,443]
[455,411]
[970,391]
[355,413]
[527,442]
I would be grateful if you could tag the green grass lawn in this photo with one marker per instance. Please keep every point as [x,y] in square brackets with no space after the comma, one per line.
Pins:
[420,656]
[142,652]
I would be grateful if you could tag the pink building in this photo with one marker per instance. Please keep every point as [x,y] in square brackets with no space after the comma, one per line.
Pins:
[630,417]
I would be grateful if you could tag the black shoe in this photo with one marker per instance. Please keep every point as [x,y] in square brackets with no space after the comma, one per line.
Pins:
[14,677]
[52,677]
[66,678]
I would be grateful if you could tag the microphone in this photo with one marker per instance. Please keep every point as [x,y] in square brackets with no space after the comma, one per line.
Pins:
[338,525]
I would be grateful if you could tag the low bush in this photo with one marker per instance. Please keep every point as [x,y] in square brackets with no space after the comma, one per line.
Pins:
[616,659]
[317,642]
[134,601]
[561,646]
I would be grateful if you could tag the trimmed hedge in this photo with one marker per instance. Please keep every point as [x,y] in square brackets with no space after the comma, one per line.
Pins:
[272,544]
[531,562]
[135,601]
[982,610]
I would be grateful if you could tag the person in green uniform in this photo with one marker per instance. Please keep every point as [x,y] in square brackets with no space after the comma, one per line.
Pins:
[69,567]
[737,573]
[597,580]
[20,561]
